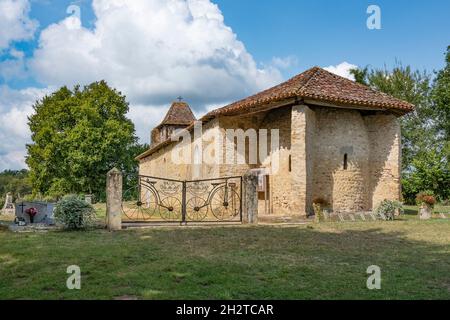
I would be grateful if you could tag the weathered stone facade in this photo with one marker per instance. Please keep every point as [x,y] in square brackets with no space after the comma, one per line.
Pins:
[338,141]
[315,142]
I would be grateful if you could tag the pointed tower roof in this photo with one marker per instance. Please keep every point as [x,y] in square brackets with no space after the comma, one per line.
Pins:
[179,114]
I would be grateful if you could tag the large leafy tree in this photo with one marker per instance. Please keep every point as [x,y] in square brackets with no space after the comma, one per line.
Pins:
[441,101]
[78,135]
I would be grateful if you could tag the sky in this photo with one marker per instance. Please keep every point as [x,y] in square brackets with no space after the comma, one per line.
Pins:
[211,52]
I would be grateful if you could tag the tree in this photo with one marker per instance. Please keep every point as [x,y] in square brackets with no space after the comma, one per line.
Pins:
[78,136]
[441,99]
[16,182]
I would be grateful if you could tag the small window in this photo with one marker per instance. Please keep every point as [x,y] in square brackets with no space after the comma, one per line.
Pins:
[345,161]
[290,163]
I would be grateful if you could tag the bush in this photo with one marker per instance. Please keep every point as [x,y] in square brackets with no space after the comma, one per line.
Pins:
[74,213]
[426,197]
[318,205]
[388,208]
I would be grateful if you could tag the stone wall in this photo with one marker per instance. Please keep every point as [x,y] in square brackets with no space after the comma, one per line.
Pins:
[280,184]
[302,137]
[340,134]
[313,144]
[385,158]
[160,164]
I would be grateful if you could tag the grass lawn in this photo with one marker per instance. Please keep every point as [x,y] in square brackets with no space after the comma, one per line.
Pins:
[318,261]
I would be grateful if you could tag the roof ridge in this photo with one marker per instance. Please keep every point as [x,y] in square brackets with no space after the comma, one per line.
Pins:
[363,86]
[316,70]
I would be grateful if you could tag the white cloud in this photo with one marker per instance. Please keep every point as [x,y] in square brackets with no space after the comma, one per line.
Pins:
[14,68]
[343,70]
[285,62]
[15,25]
[150,50]
[15,107]
[153,51]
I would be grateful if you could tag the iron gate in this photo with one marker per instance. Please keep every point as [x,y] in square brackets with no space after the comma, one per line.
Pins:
[167,200]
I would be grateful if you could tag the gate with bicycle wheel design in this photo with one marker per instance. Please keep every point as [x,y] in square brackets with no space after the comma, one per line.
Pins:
[167,200]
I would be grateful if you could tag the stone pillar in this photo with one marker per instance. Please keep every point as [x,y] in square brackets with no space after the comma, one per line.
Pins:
[425,212]
[8,208]
[302,132]
[114,200]
[250,198]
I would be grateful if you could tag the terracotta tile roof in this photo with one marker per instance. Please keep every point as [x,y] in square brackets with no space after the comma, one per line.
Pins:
[321,85]
[179,114]
[314,84]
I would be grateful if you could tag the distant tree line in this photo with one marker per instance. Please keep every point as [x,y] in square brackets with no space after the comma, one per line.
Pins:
[426,131]
[15,181]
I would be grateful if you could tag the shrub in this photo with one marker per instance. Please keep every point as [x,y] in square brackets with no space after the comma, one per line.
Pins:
[318,205]
[426,197]
[388,208]
[74,213]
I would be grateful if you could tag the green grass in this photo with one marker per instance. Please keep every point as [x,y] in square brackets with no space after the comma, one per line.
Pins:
[318,261]
[413,210]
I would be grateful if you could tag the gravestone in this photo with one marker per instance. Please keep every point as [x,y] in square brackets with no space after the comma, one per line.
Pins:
[88,198]
[44,213]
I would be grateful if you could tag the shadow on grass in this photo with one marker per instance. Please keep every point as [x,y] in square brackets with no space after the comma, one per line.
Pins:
[325,262]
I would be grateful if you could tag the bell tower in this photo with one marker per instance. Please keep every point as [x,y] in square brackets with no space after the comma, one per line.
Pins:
[179,116]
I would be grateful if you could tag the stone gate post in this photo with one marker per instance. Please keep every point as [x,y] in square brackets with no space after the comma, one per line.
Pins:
[114,200]
[250,198]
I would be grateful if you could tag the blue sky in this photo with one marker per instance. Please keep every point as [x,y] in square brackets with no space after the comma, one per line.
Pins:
[155,50]
[320,32]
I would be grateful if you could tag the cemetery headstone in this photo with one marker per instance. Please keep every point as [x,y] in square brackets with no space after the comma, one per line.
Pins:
[35,212]
[88,198]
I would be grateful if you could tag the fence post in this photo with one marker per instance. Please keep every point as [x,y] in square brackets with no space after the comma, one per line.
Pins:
[114,200]
[250,203]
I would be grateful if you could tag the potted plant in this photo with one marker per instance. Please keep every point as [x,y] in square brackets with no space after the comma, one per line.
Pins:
[31,212]
[426,201]
[319,204]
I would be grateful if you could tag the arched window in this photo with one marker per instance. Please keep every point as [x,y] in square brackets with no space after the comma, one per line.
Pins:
[345,161]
